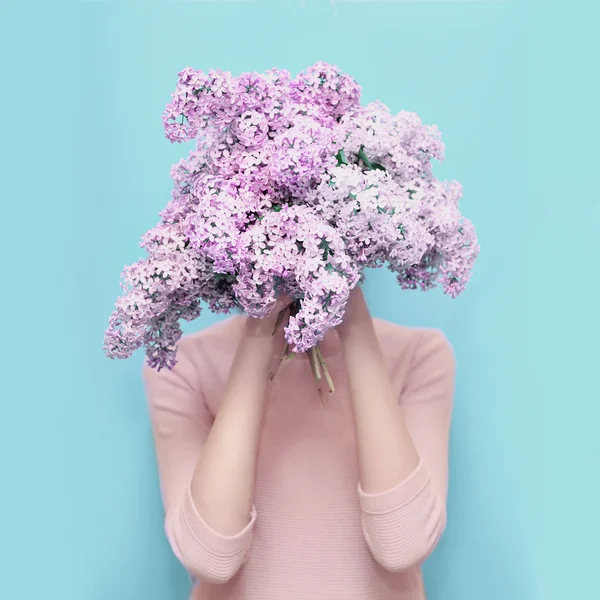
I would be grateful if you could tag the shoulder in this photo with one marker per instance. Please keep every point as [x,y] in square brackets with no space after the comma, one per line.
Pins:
[220,338]
[216,341]
[423,365]
[414,344]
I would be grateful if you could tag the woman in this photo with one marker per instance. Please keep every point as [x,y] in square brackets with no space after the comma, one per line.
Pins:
[271,495]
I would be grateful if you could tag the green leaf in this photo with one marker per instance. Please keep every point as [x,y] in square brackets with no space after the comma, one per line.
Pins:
[341,158]
[363,157]
[370,165]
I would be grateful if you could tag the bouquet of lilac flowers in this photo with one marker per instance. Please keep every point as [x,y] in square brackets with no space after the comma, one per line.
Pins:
[293,187]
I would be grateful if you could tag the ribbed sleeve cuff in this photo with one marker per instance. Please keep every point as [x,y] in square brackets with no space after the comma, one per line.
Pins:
[213,541]
[396,497]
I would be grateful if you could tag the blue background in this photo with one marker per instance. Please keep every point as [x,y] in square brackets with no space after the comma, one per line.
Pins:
[511,87]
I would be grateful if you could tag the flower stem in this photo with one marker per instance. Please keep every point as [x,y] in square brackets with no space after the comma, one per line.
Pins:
[313,360]
[280,318]
[284,354]
[328,378]
[314,357]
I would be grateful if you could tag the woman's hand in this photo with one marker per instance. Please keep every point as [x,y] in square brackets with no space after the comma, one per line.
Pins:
[266,326]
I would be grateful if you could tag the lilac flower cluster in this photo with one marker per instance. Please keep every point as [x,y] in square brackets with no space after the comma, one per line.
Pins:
[293,187]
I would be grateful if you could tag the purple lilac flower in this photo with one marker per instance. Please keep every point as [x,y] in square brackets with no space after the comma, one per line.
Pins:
[293,186]
[327,88]
[300,155]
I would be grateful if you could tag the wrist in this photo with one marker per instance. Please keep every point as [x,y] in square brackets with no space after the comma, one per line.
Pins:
[258,344]
[356,332]
[251,365]
[259,328]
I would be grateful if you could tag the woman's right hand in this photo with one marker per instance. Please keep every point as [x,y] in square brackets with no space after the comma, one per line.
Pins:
[272,325]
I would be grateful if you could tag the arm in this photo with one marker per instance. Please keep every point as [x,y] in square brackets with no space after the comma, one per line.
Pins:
[223,481]
[402,441]
[207,468]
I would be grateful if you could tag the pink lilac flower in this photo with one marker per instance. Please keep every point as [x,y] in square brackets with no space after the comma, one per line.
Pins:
[326,87]
[292,187]
[300,155]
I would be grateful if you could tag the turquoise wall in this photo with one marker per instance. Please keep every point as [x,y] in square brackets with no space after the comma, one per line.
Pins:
[87,170]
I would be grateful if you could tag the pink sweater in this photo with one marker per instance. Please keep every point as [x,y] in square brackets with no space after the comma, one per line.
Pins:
[313,533]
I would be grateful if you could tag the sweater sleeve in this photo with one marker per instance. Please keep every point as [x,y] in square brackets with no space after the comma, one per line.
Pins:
[403,525]
[181,422]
